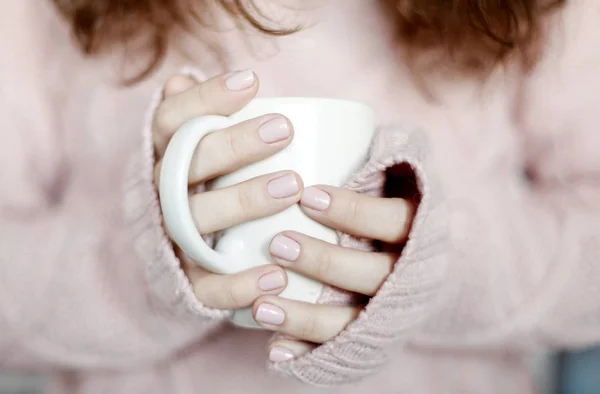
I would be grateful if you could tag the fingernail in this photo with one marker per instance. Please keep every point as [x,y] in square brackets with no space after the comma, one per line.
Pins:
[272,281]
[270,314]
[240,80]
[279,354]
[274,130]
[285,248]
[315,199]
[284,186]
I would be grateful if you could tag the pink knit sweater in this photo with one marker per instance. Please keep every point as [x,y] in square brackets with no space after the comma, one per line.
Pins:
[502,259]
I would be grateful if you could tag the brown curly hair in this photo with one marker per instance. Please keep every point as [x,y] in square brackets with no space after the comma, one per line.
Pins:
[476,34]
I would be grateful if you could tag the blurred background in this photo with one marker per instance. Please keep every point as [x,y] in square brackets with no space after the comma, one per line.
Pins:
[566,373]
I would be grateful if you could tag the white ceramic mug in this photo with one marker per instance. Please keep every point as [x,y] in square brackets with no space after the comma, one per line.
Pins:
[331,140]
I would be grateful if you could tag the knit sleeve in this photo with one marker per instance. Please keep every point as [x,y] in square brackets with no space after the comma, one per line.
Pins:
[407,298]
[88,278]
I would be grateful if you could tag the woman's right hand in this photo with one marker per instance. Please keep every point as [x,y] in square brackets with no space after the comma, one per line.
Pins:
[221,152]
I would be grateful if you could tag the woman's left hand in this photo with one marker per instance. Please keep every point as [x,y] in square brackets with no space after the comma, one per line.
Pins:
[387,220]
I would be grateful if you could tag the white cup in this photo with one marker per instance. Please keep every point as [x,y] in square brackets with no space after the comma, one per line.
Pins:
[331,140]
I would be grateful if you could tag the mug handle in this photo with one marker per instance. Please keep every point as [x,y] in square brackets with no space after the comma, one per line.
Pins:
[174,197]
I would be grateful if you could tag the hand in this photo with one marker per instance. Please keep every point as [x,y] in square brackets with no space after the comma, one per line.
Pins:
[383,219]
[219,153]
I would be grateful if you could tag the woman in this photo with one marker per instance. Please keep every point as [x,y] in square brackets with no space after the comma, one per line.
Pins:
[485,169]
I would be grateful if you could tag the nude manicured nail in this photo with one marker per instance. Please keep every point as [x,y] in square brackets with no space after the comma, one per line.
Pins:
[274,130]
[284,248]
[272,281]
[240,81]
[315,199]
[270,314]
[279,354]
[284,186]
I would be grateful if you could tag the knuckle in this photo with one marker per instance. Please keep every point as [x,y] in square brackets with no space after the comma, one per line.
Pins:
[248,197]
[177,84]
[208,156]
[310,327]
[172,85]
[234,144]
[163,120]
[204,91]
[324,266]
[351,210]
[233,293]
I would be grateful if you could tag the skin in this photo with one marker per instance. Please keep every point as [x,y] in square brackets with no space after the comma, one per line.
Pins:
[384,219]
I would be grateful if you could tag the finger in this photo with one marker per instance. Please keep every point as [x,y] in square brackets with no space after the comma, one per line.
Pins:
[308,322]
[281,350]
[229,149]
[222,95]
[178,84]
[382,219]
[238,290]
[349,269]
[259,197]
[234,147]
[192,271]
